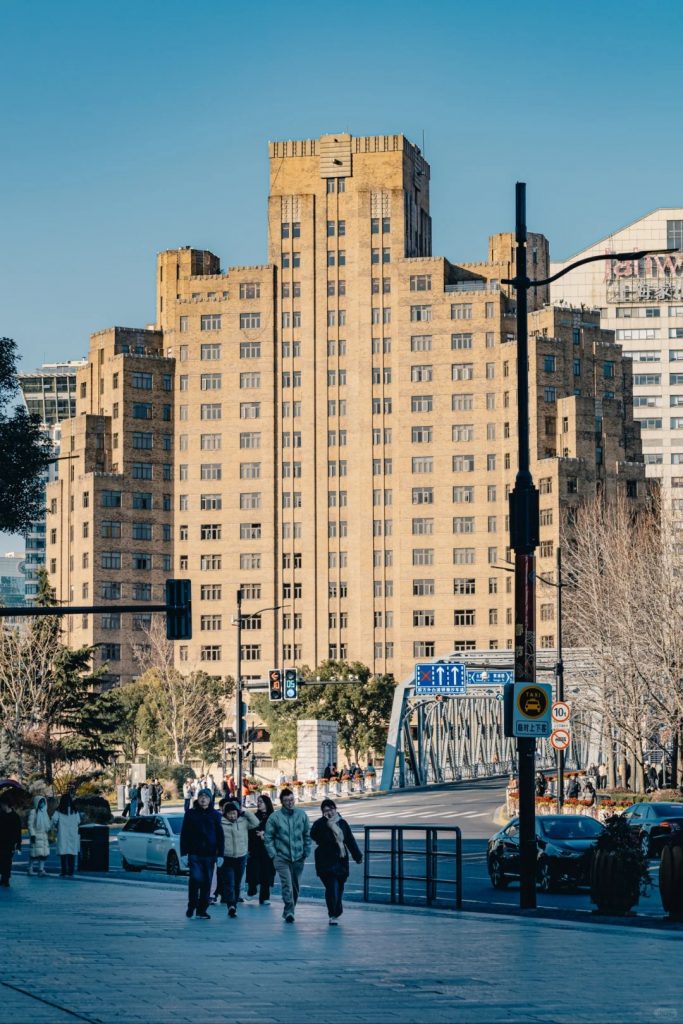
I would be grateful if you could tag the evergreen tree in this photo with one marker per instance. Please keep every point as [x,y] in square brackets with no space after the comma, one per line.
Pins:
[25,451]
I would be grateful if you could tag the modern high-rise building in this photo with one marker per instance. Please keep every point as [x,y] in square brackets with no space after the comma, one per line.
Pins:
[333,433]
[642,302]
[50,393]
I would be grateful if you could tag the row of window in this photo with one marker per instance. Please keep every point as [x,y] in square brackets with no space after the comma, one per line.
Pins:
[655,423]
[114,529]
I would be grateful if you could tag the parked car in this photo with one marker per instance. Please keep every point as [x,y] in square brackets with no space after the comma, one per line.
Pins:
[564,844]
[153,841]
[655,824]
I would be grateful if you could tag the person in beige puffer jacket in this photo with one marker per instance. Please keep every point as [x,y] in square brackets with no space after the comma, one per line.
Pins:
[236,825]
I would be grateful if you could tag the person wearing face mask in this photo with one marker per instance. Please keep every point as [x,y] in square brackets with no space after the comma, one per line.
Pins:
[335,842]
[287,839]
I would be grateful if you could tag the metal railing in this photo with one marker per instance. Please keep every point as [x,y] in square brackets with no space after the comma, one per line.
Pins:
[429,851]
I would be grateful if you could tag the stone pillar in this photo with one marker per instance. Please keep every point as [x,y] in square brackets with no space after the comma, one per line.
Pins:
[316,747]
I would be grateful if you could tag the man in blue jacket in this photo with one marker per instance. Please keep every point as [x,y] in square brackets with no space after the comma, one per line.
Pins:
[201,841]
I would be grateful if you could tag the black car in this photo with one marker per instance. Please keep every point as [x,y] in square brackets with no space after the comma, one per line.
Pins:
[564,843]
[655,824]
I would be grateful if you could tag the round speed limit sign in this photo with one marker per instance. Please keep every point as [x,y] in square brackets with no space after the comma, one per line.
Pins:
[560,712]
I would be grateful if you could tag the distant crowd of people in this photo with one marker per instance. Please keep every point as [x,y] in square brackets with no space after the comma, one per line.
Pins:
[142,798]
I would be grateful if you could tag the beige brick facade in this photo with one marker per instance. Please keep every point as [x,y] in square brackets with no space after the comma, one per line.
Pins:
[343,428]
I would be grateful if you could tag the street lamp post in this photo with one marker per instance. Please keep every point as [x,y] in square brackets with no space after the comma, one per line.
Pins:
[524,531]
[239,732]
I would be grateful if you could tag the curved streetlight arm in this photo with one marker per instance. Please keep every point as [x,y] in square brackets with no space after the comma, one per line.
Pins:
[588,259]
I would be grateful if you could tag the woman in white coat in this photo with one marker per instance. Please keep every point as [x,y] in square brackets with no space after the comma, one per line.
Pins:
[38,828]
[66,820]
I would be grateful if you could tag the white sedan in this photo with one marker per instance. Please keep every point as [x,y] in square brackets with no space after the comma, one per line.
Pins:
[153,841]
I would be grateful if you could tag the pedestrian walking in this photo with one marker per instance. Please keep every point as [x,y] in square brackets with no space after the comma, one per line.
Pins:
[134,796]
[260,868]
[335,841]
[10,840]
[236,825]
[201,841]
[541,784]
[288,842]
[281,779]
[156,793]
[145,804]
[602,775]
[66,821]
[589,795]
[187,793]
[126,798]
[38,828]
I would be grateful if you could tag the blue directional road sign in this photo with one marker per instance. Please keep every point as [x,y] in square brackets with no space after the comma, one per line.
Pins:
[489,676]
[446,678]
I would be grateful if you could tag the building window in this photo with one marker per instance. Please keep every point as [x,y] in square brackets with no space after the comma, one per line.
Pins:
[250,349]
[420,282]
[142,381]
[250,290]
[210,322]
[424,648]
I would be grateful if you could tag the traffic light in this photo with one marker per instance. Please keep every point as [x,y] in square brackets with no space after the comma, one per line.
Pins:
[291,684]
[275,684]
[178,610]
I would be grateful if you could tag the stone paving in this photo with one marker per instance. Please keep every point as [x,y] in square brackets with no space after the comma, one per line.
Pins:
[117,951]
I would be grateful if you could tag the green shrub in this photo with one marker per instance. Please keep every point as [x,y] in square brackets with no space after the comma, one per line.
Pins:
[94,810]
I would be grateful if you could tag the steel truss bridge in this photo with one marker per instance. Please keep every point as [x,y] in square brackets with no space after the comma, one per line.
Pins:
[436,739]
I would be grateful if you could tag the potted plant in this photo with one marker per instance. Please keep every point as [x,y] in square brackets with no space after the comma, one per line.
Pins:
[671,879]
[619,872]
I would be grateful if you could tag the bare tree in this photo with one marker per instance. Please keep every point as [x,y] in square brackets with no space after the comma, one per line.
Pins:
[186,711]
[607,558]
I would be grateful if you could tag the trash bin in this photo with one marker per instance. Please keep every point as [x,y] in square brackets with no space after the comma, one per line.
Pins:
[94,855]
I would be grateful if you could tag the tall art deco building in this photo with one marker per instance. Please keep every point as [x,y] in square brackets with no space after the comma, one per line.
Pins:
[333,432]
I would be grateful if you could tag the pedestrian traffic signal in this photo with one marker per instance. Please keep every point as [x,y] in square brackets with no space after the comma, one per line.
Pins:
[178,610]
[291,684]
[275,684]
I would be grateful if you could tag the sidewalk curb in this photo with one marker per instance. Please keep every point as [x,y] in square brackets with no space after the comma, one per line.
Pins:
[554,918]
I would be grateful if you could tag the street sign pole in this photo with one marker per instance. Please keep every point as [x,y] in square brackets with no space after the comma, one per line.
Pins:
[524,529]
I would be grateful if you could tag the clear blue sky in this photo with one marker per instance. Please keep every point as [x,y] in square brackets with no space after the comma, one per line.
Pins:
[139,125]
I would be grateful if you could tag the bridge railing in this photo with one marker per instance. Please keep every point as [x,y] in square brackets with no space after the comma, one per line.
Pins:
[422,862]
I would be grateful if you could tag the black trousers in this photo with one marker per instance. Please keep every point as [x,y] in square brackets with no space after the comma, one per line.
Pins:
[5,864]
[334,891]
[68,863]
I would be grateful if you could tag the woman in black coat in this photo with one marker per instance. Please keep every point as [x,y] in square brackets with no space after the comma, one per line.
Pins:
[260,868]
[335,842]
